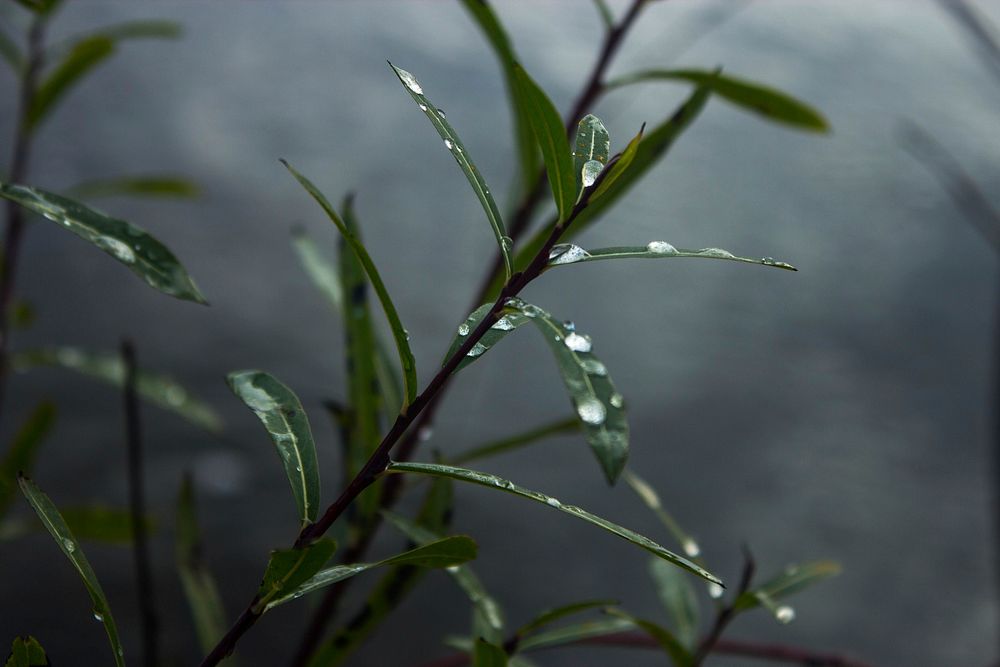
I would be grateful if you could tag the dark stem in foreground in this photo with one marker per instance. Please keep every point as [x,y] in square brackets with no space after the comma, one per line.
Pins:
[149,623]
[14,232]
[727,612]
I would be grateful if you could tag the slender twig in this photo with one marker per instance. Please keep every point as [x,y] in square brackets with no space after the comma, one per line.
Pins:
[727,612]
[149,622]
[14,233]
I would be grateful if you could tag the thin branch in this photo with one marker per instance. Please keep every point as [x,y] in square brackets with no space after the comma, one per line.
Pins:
[726,613]
[149,622]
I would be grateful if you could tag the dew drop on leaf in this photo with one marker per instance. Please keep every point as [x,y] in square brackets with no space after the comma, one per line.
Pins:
[410,81]
[591,411]
[566,253]
[463,329]
[661,248]
[784,614]
[591,170]
[617,400]
[577,343]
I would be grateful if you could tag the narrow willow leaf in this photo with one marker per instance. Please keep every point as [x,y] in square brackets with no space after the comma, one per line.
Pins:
[321,271]
[279,409]
[159,390]
[607,18]
[550,616]
[487,619]
[650,149]
[599,406]
[679,599]
[457,149]
[568,425]
[621,166]
[591,152]
[503,326]
[67,542]
[663,250]
[792,580]
[494,482]
[90,523]
[144,255]
[26,652]
[288,569]
[406,359]
[445,552]
[573,634]
[651,499]
[670,644]
[551,137]
[766,101]
[83,57]
[197,582]
[138,186]
[10,52]
[21,453]
[524,138]
[485,654]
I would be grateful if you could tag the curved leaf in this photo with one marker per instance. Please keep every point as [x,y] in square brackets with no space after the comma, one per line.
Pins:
[659,250]
[159,390]
[144,255]
[68,544]
[457,149]
[599,406]
[619,167]
[679,599]
[768,102]
[568,425]
[26,652]
[593,145]
[553,615]
[445,552]
[551,137]
[792,580]
[289,569]
[670,645]
[651,499]
[21,454]
[322,272]
[137,186]
[406,359]
[500,328]
[573,634]
[84,56]
[485,654]
[279,409]
[494,482]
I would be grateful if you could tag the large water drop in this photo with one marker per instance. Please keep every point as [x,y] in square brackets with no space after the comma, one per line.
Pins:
[577,343]
[591,411]
[566,253]
[661,248]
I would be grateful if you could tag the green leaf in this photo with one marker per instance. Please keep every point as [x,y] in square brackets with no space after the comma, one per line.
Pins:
[279,409]
[763,100]
[159,390]
[485,654]
[524,138]
[197,582]
[10,52]
[573,634]
[568,425]
[552,615]
[144,255]
[41,7]
[679,599]
[598,405]
[445,552]
[26,652]
[651,499]
[500,329]
[593,145]
[656,250]
[320,270]
[144,29]
[289,569]
[458,151]
[406,360]
[83,57]
[90,523]
[23,448]
[67,542]
[494,482]
[792,580]
[607,18]
[670,644]
[551,137]
[620,166]
[137,186]
[488,620]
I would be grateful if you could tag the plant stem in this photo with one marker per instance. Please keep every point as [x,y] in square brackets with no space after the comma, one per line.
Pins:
[726,613]
[137,509]
[14,233]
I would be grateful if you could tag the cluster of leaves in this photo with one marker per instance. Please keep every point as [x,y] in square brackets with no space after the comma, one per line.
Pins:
[382,402]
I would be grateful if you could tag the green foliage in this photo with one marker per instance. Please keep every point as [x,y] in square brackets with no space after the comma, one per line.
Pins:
[90,523]
[289,569]
[22,450]
[26,652]
[497,331]
[138,186]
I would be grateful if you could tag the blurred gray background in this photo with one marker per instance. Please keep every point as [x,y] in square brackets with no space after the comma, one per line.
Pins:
[841,412]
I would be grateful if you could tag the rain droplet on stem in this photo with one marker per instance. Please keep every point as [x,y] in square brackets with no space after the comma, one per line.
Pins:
[661,248]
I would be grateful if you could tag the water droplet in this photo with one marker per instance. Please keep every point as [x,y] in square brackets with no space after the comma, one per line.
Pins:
[120,651]
[784,614]
[423,107]
[591,170]
[715,591]
[407,334]
[578,343]
[476,350]
[409,80]
[425,433]
[617,400]
[120,250]
[717,252]
[298,468]
[69,545]
[557,338]
[441,113]
[661,248]
[453,568]
[448,144]
[503,324]
[463,329]
[691,548]
[769,261]
[566,253]
[568,325]
[98,616]
[508,243]
[552,502]
[591,411]
[594,367]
